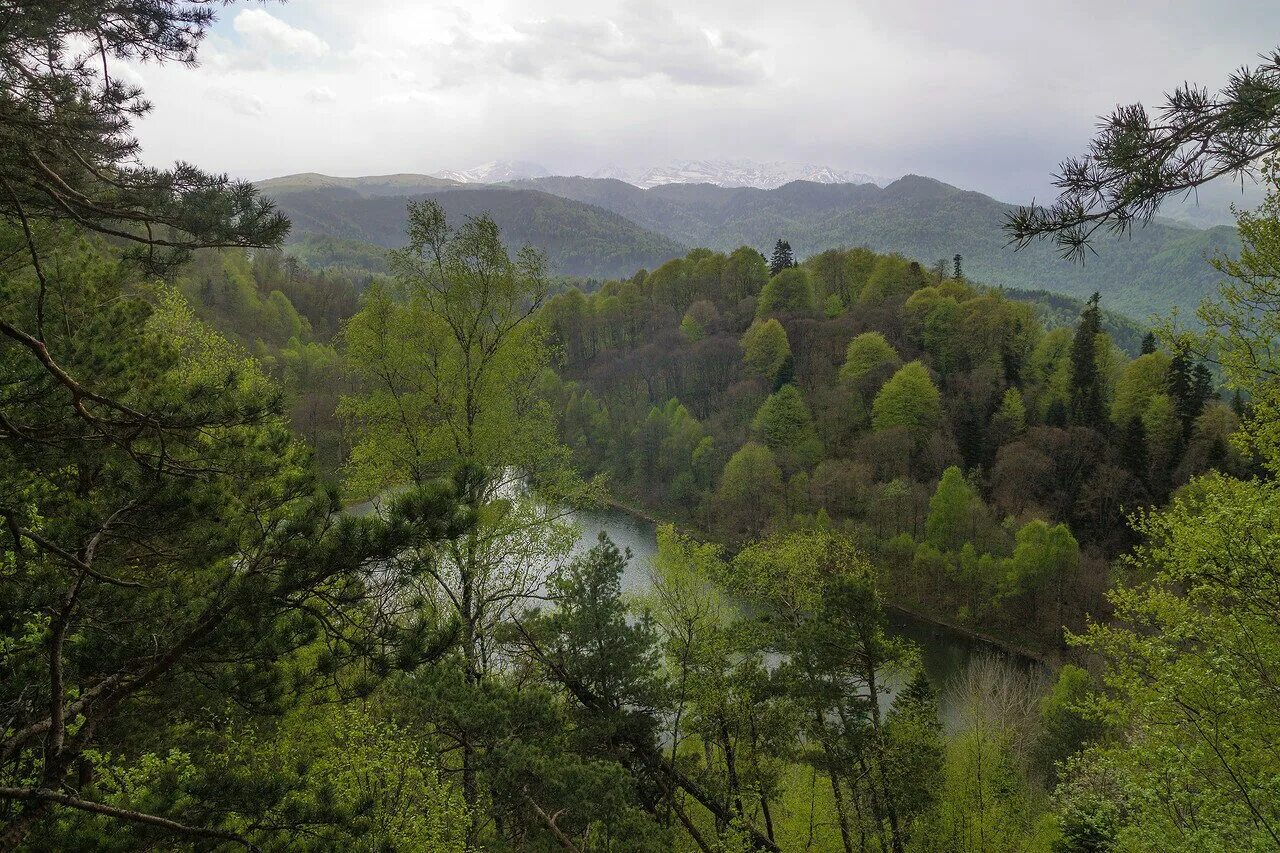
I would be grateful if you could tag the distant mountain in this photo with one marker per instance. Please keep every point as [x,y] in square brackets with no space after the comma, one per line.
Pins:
[1160,266]
[735,173]
[495,172]
[578,239]
[1211,204]
[601,227]
[373,185]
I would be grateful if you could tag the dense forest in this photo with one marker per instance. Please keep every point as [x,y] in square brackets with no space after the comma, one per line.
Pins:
[965,447]
[289,558]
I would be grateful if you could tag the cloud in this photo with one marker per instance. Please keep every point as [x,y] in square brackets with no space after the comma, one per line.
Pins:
[412,96]
[642,40]
[241,102]
[321,95]
[268,34]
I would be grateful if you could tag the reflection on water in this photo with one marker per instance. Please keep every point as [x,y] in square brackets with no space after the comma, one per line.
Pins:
[945,653]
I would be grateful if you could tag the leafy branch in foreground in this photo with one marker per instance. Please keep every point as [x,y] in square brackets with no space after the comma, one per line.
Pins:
[1139,158]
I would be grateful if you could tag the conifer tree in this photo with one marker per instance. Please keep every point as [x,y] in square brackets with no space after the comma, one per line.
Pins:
[1148,343]
[783,258]
[1086,383]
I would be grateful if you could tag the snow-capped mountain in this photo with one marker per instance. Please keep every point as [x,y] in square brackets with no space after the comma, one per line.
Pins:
[495,172]
[725,173]
[737,173]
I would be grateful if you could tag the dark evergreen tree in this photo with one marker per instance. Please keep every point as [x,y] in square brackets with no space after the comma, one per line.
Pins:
[1133,448]
[1191,386]
[1086,384]
[1238,405]
[959,273]
[783,258]
[1148,343]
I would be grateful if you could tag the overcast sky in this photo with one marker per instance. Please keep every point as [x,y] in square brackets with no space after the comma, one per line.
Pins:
[985,94]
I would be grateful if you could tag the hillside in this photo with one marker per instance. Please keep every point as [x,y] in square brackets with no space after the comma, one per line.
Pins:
[578,239]
[1159,267]
[602,227]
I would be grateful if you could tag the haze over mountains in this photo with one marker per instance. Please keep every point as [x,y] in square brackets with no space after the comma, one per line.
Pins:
[724,173]
[602,227]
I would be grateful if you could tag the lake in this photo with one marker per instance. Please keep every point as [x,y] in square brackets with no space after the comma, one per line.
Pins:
[945,653]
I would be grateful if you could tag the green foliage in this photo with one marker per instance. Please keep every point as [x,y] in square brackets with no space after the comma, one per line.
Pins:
[789,292]
[765,348]
[1010,419]
[1044,555]
[1067,724]
[1142,379]
[449,357]
[785,425]
[1086,377]
[1197,642]
[750,490]
[908,400]
[952,511]
[865,353]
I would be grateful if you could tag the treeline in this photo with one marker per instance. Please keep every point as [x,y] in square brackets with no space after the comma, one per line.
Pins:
[288,316]
[987,462]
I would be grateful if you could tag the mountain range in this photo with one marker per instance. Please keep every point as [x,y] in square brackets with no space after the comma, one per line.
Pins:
[724,173]
[606,227]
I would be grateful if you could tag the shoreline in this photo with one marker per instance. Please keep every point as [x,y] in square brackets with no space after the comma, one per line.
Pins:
[1048,659]
[1039,657]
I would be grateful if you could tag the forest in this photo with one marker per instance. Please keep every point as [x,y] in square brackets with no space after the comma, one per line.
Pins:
[291,558]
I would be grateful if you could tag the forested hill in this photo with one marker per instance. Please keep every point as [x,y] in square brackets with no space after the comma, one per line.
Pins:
[603,228]
[579,239]
[1159,267]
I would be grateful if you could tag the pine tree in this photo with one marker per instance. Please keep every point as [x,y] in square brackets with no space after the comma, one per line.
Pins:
[1148,343]
[783,258]
[959,276]
[1190,386]
[1133,448]
[1085,383]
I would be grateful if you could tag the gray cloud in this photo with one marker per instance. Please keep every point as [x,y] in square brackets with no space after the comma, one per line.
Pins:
[643,39]
[989,94]
[240,102]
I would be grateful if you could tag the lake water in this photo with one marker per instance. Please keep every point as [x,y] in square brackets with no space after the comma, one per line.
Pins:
[945,653]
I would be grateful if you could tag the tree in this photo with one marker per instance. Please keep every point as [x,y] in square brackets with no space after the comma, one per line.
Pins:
[745,273]
[1190,387]
[750,491]
[1190,657]
[188,567]
[952,510]
[789,292]
[1086,403]
[782,258]
[1178,782]
[867,352]
[1140,158]
[785,425]
[822,613]
[449,363]
[1044,555]
[1142,379]
[1067,726]
[68,150]
[1010,420]
[608,664]
[765,348]
[1148,343]
[909,400]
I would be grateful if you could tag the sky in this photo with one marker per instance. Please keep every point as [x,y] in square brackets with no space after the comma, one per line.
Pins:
[985,94]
